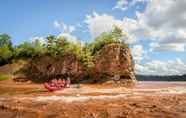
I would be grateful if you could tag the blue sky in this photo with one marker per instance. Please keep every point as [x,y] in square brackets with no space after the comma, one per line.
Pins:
[25,19]
[156,41]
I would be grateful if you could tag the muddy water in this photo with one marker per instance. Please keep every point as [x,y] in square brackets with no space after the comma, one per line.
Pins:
[158,84]
[142,87]
[146,99]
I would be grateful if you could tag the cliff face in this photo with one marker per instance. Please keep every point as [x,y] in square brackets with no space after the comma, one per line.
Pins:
[114,62]
[50,68]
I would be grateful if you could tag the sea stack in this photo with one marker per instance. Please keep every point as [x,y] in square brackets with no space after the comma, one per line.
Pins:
[115,64]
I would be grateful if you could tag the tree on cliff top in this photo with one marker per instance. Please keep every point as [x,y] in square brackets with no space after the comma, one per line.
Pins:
[59,46]
[115,36]
[6,49]
[5,40]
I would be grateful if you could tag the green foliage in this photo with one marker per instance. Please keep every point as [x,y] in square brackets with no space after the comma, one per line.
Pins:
[3,77]
[115,36]
[24,50]
[87,57]
[6,50]
[39,47]
[27,49]
[5,53]
[52,45]
[59,46]
[5,40]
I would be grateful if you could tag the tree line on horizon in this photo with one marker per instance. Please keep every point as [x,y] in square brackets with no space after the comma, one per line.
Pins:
[57,47]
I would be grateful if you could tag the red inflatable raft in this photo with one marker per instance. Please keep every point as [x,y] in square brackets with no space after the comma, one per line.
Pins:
[55,85]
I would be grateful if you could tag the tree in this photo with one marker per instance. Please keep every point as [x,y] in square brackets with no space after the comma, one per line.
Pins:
[115,36]
[24,50]
[39,47]
[51,45]
[6,49]
[5,40]
[5,55]
[87,57]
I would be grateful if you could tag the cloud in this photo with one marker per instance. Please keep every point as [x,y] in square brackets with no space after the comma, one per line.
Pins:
[166,14]
[71,38]
[121,4]
[138,53]
[62,27]
[157,67]
[125,4]
[99,23]
[42,40]
[164,22]
[178,47]
[161,26]
[66,31]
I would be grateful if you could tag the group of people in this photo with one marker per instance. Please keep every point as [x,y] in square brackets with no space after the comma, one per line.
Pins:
[57,84]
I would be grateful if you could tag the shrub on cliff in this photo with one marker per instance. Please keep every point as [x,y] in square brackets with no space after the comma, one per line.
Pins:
[115,36]
[59,46]
[6,49]
[86,57]
[29,49]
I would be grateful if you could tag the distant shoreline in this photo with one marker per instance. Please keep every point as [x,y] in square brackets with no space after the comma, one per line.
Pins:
[160,78]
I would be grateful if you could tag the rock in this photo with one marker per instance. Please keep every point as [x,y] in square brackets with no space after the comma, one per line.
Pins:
[114,62]
[20,78]
[47,67]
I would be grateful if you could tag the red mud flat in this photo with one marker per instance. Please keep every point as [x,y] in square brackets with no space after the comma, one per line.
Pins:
[145,100]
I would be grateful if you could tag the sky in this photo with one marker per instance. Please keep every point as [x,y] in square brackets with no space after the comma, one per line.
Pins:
[156,28]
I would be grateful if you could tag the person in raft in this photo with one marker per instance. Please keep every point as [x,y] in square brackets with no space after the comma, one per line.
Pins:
[68,82]
[59,84]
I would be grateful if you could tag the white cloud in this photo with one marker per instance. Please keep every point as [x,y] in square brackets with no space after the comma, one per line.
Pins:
[165,23]
[71,38]
[121,4]
[138,53]
[66,31]
[162,25]
[62,27]
[157,67]
[137,29]
[97,24]
[42,40]
[166,14]
[167,47]
[125,4]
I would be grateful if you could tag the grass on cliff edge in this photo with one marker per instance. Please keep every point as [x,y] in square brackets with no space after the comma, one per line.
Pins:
[3,77]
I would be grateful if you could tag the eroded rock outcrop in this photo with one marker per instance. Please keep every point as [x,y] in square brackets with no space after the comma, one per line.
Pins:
[47,68]
[114,62]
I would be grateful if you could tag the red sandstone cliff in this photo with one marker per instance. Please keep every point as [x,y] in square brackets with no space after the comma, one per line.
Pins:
[114,62]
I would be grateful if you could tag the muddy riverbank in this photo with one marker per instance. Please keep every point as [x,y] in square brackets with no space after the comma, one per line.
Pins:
[146,99]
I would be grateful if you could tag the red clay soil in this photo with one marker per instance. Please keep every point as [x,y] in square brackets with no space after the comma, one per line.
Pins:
[122,103]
